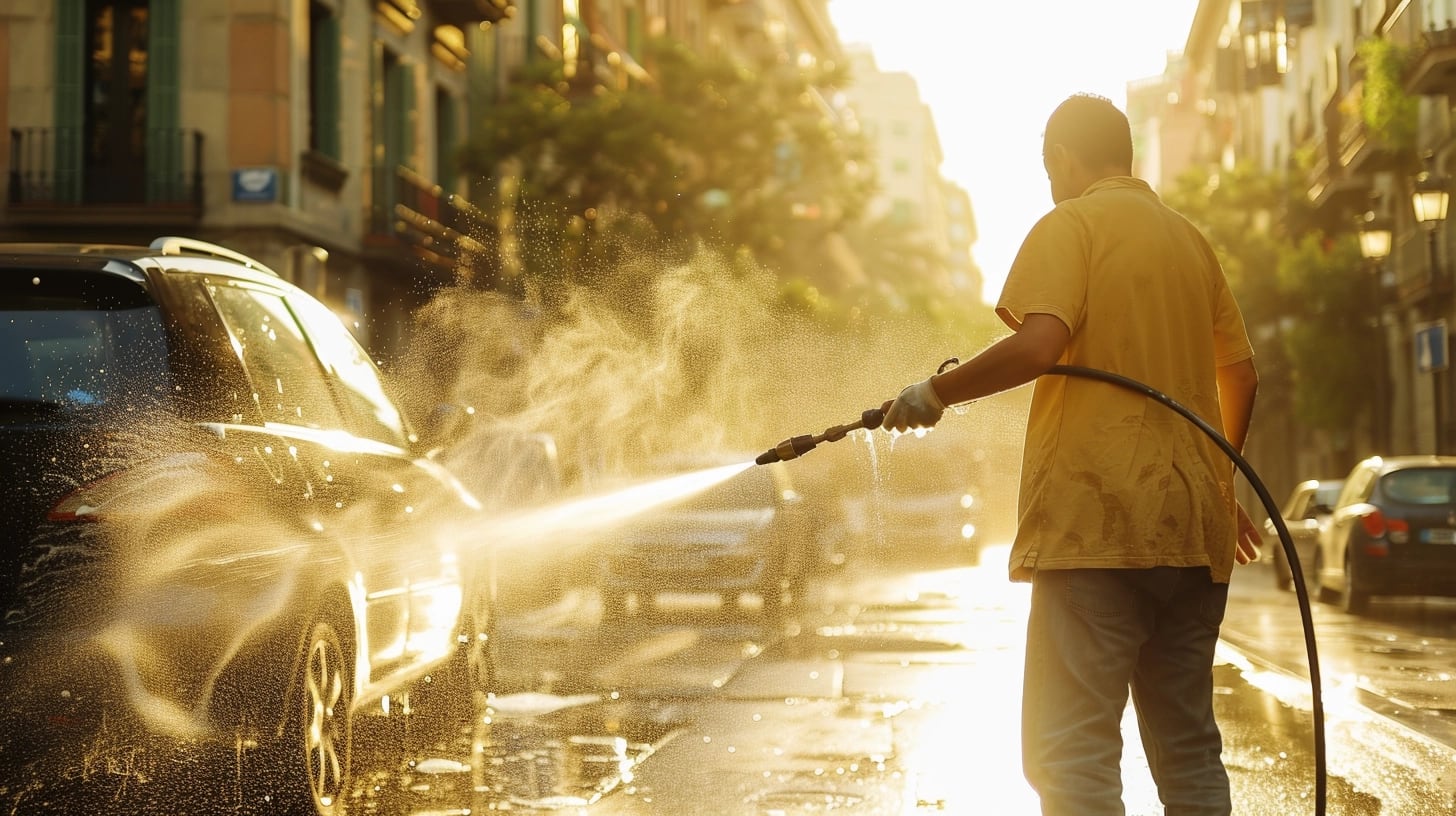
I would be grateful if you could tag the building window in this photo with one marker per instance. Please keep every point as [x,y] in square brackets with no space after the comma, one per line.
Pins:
[900,166]
[902,211]
[323,82]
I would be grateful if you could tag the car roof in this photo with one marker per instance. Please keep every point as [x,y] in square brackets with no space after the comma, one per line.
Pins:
[1385,464]
[163,254]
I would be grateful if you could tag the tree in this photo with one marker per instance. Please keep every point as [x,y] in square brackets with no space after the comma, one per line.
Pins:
[1305,296]
[711,153]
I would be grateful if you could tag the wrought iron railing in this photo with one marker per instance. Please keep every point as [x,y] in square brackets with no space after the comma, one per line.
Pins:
[49,168]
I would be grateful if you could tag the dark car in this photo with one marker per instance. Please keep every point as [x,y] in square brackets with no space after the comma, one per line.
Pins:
[1392,532]
[746,536]
[216,520]
[1305,513]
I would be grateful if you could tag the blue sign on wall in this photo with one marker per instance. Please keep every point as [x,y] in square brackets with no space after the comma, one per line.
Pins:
[1431,347]
[255,184]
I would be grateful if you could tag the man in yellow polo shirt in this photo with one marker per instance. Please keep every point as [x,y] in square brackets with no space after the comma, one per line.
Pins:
[1128,525]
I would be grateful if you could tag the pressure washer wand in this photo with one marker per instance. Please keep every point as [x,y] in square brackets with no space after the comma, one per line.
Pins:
[796,446]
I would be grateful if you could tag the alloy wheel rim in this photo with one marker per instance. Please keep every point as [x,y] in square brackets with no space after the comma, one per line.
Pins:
[323,739]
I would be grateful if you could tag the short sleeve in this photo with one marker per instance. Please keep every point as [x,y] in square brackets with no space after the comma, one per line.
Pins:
[1230,336]
[1049,275]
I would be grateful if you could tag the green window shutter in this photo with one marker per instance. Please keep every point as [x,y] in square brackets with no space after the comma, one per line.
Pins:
[326,86]
[165,143]
[70,97]
[399,113]
[446,118]
[533,30]
[634,33]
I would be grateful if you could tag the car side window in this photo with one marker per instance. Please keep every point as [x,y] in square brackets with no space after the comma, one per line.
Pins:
[369,409]
[288,383]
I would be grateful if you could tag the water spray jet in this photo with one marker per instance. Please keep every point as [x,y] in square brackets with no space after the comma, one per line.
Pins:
[796,446]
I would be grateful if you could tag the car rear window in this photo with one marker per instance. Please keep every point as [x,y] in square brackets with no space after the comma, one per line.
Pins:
[1420,485]
[79,341]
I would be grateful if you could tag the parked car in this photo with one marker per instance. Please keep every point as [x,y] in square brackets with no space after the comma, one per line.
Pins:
[746,536]
[1305,513]
[1392,532]
[928,497]
[216,514]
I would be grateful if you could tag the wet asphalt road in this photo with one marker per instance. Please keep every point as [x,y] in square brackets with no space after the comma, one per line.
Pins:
[893,689]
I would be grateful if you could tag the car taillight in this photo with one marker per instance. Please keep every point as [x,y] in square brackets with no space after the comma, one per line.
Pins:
[1397,531]
[1377,526]
[85,503]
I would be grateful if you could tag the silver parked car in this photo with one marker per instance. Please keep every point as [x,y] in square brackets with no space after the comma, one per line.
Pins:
[1305,513]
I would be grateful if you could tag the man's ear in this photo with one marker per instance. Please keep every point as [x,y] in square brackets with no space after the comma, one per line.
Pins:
[1057,156]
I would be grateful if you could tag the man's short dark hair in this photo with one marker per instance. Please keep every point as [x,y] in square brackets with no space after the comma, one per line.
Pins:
[1093,129]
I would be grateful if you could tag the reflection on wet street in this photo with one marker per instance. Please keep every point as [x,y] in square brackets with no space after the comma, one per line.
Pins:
[892,689]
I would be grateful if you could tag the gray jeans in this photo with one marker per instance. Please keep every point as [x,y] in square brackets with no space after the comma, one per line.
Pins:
[1095,633]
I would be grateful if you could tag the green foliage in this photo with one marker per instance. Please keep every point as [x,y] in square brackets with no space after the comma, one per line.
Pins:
[1334,340]
[1388,110]
[1305,297]
[712,154]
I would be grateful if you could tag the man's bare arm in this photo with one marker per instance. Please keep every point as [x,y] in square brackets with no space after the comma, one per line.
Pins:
[1237,385]
[1009,362]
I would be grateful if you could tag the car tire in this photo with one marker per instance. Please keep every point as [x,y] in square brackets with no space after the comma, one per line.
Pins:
[1353,599]
[1282,578]
[1322,593]
[471,667]
[304,768]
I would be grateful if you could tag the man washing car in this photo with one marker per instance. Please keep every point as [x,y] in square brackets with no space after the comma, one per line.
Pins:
[1128,528]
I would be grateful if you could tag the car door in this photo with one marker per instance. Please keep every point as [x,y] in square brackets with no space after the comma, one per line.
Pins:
[413,500]
[339,497]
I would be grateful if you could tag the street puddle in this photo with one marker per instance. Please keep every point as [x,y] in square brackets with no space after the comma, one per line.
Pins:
[530,752]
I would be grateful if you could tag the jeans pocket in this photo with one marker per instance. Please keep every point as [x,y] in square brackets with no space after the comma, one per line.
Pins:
[1094,593]
[1214,602]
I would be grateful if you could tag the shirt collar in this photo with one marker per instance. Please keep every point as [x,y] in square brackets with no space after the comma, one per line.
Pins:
[1117,183]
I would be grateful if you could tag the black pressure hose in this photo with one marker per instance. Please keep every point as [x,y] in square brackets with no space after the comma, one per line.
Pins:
[1301,592]
[797,446]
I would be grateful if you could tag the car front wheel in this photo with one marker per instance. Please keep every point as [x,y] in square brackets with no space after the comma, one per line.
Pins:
[1355,600]
[305,767]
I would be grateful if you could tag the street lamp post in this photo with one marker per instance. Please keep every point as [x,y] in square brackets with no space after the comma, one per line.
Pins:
[1376,235]
[1430,198]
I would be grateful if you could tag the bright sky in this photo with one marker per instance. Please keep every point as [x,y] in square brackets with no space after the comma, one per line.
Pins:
[992,72]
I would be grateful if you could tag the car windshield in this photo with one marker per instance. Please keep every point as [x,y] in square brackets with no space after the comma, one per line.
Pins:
[1420,486]
[79,349]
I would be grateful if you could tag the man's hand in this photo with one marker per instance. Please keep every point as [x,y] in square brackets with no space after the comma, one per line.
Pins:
[1249,539]
[918,406]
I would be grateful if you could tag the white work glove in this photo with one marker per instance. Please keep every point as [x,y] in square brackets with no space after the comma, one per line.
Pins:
[918,406]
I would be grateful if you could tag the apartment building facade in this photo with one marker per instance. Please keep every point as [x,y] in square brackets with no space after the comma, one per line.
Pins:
[1297,86]
[316,135]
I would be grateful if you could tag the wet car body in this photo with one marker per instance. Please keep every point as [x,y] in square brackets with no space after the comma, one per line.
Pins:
[1392,532]
[214,522]
[747,536]
[1305,512]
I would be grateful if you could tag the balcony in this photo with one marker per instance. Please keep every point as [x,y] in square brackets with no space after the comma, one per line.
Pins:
[413,217]
[1341,155]
[1434,70]
[53,183]
[464,13]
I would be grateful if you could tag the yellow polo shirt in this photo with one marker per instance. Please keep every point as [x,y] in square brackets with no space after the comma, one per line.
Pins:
[1111,478]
